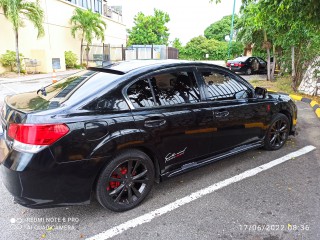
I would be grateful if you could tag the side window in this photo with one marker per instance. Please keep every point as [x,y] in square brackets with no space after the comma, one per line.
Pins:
[175,88]
[109,101]
[221,86]
[261,60]
[140,94]
[167,89]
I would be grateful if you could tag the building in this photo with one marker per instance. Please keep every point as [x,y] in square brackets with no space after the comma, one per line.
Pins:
[58,38]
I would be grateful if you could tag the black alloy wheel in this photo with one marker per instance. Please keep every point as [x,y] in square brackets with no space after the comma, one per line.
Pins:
[126,181]
[277,133]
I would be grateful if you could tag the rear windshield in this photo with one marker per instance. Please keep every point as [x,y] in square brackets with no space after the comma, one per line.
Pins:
[73,89]
[241,59]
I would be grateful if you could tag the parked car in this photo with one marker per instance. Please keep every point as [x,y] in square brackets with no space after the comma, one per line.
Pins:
[114,131]
[247,65]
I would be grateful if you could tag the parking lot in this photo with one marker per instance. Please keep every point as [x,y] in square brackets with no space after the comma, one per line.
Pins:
[279,198]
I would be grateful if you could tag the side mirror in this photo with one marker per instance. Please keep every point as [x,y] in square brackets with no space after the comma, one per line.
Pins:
[260,92]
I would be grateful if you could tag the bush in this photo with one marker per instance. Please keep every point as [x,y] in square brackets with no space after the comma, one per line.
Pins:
[71,59]
[78,66]
[9,59]
[198,47]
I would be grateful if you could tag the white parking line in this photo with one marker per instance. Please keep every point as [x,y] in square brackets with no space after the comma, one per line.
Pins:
[180,202]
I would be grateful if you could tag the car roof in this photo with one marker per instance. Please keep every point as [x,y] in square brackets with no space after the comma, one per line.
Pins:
[124,67]
[244,58]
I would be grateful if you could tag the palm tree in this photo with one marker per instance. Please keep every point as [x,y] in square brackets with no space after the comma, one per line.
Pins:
[15,11]
[90,26]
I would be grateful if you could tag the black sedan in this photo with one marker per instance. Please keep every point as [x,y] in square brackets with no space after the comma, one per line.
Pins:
[248,65]
[114,131]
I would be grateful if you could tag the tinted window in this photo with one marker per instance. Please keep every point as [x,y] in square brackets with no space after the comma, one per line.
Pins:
[78,85]
[222,86]
[73,89]
[140,94]
[175,88]
[167,89]
[113,100]
[261,60]
[240,59]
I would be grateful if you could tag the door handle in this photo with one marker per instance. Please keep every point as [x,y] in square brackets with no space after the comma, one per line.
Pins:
[222,113]
[151,123]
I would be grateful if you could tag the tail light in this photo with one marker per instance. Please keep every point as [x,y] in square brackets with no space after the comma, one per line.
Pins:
[29,137]
[228,64]
[239,64]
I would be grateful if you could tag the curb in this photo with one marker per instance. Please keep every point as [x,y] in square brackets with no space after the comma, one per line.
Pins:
[315,105]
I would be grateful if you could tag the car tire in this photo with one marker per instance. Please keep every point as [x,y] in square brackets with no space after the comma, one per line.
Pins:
[277,133]
[248,71]
[125,181]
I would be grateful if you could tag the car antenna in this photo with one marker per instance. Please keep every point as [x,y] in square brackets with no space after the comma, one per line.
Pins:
[43,91]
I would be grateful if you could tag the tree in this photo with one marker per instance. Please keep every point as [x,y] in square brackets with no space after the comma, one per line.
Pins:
[150,29]
[295,34]
[14,11]
[198,47]
[90,25]
[218,30]
[302,10]
[176,43]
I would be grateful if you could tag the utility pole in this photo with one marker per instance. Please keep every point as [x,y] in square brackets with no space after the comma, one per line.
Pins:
[231,31]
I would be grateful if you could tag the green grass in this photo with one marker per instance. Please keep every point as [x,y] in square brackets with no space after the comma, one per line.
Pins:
[282,84]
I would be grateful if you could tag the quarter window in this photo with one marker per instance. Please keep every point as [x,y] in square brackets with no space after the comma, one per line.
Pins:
[108,102]
[221,86]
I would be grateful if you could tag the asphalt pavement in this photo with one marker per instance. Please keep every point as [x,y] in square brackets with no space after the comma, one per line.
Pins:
[281,202]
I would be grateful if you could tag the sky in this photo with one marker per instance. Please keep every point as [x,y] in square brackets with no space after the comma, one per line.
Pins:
[188,19]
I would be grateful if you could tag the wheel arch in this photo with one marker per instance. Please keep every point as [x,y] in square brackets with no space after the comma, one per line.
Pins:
[146,150]
[288,115]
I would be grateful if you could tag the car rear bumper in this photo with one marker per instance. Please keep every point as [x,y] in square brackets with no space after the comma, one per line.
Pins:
[237,69]
[37,181]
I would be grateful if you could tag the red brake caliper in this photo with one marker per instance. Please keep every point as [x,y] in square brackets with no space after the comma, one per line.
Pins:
[114,184]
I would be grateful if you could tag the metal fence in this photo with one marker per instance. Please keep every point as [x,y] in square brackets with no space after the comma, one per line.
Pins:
[113,53]
[31,65]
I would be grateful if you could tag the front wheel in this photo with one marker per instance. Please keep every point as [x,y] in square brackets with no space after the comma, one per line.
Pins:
[125,181]
[278,132]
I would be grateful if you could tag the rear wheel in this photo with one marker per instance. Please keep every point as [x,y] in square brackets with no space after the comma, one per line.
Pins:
[248,71]
[277,133]
[125,181]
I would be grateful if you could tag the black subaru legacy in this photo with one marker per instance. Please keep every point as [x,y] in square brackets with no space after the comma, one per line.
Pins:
[114,131]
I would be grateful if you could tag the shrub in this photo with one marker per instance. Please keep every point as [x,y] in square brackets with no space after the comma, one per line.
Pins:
[8,59]
[198,47]
[78,66]
[71,59]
